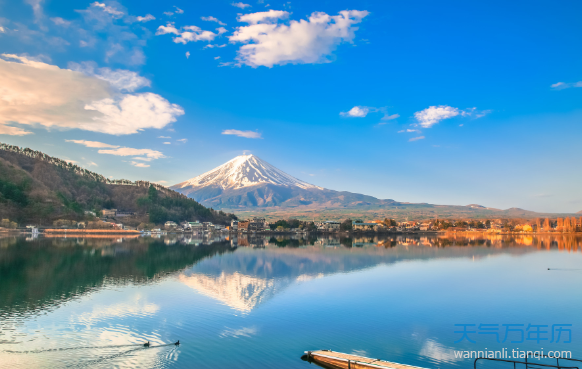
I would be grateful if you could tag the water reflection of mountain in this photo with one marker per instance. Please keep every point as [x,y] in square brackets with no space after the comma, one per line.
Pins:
[250,276]
[43,272]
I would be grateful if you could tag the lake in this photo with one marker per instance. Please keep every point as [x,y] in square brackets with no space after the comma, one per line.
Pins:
[260,302]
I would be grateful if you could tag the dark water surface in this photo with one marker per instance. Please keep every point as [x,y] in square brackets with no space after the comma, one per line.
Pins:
[259,302]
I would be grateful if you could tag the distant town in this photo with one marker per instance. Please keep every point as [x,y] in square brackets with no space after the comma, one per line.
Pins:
[112,221]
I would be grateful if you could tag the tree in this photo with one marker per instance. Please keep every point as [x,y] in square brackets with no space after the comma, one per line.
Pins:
[346,225]
[153,194]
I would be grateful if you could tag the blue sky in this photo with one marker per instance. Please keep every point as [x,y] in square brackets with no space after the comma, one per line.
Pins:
[447,103]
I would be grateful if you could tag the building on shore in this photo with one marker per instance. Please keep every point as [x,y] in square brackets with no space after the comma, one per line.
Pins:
[359,225]
[106,213]
[328,226]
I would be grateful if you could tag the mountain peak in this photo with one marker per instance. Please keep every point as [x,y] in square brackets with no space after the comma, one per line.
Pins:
[244,171]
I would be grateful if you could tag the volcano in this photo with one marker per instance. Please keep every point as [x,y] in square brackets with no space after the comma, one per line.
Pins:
[247,181]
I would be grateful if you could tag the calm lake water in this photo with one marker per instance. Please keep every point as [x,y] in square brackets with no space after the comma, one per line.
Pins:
[260,302]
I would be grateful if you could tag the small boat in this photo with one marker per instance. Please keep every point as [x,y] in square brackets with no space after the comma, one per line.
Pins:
[337,360]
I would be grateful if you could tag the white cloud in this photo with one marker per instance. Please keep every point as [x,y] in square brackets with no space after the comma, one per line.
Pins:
[241,5]
[416,138]
[167,143]
[108,9]
[2,30]
[434,114]
[182,140]
[216,57]
[124,80]
[168,28]
[246,134]
[187,54]
[164,137]
[178,10]
[34,92]
[169,14]
[221,30]
[409,130]
[563,85]
[60,21]
[94,144]
[213,19]
[132,113]
[271,15]
[356,112]
[186,34]
[146,18]
[306,41]
[139,165]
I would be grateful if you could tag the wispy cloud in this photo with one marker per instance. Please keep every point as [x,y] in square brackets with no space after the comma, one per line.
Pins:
[416,138]
[139,154]
[167,143]
[139,165]
[245,134]
[564,85]
[128,151]
[164,137]
[390,117]
[93,144]
[182,140]
[362,111]
[240,5]
[213,19]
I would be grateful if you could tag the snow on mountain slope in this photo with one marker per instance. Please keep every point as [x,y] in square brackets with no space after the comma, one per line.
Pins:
[243,171]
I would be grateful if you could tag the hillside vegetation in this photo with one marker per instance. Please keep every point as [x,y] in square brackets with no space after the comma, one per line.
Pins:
[36,188]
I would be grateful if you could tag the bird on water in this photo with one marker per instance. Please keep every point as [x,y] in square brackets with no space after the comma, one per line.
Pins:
[147,344]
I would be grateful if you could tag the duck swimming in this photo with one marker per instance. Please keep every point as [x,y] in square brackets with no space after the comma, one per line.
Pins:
[177,343]
[147,344]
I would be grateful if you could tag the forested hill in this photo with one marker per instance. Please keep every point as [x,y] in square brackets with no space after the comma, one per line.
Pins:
[37,188]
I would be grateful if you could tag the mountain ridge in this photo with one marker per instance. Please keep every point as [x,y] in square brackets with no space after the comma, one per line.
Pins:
[38,188]
[252,186]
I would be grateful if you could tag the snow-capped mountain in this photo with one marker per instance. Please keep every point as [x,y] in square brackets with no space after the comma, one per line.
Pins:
[243,171]
[248,181]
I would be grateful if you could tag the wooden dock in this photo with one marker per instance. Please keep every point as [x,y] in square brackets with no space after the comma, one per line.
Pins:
[337,360]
